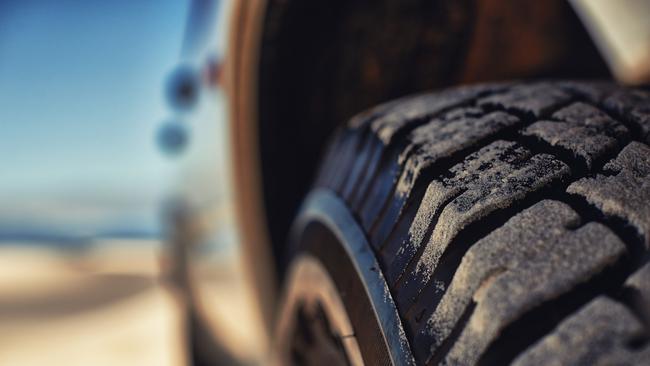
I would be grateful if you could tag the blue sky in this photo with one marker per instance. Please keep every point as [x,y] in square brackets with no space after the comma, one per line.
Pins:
[81,98]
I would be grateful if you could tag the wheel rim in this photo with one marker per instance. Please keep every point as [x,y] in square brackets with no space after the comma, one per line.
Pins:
[314,324]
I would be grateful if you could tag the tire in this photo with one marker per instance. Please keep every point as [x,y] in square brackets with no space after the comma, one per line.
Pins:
[510,223]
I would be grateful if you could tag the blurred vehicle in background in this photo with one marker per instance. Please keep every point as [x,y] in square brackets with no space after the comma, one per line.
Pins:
[198,183]
[112,114]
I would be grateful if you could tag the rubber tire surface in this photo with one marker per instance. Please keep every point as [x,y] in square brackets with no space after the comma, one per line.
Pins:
[511,221]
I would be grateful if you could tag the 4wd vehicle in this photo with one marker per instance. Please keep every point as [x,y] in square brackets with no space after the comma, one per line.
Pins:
[444,182]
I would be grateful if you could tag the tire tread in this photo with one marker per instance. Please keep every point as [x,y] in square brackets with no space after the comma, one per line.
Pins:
[469,194]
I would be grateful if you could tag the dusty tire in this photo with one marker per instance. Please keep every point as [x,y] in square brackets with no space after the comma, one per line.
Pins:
[510,222]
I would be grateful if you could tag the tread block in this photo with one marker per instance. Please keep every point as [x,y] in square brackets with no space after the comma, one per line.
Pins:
[411,112]
[601,333]
[536,100]
[365,155]
[640,281]
[535,257]
[414,109]
[592,91]
[491,179]
[487,162]
[433,143]
[596,335]
[586,132]
[585,115]
[626,192]
[633,105]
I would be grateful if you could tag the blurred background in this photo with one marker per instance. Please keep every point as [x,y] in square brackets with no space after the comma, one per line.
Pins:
[113,124]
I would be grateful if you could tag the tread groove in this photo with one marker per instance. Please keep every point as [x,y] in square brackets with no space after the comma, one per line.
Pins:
[633,241]
[439,354]
[396,283]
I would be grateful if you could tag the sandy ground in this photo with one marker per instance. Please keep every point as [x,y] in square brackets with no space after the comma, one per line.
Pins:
[106,306]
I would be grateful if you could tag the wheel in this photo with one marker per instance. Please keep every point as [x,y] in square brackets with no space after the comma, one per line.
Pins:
[492,224]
